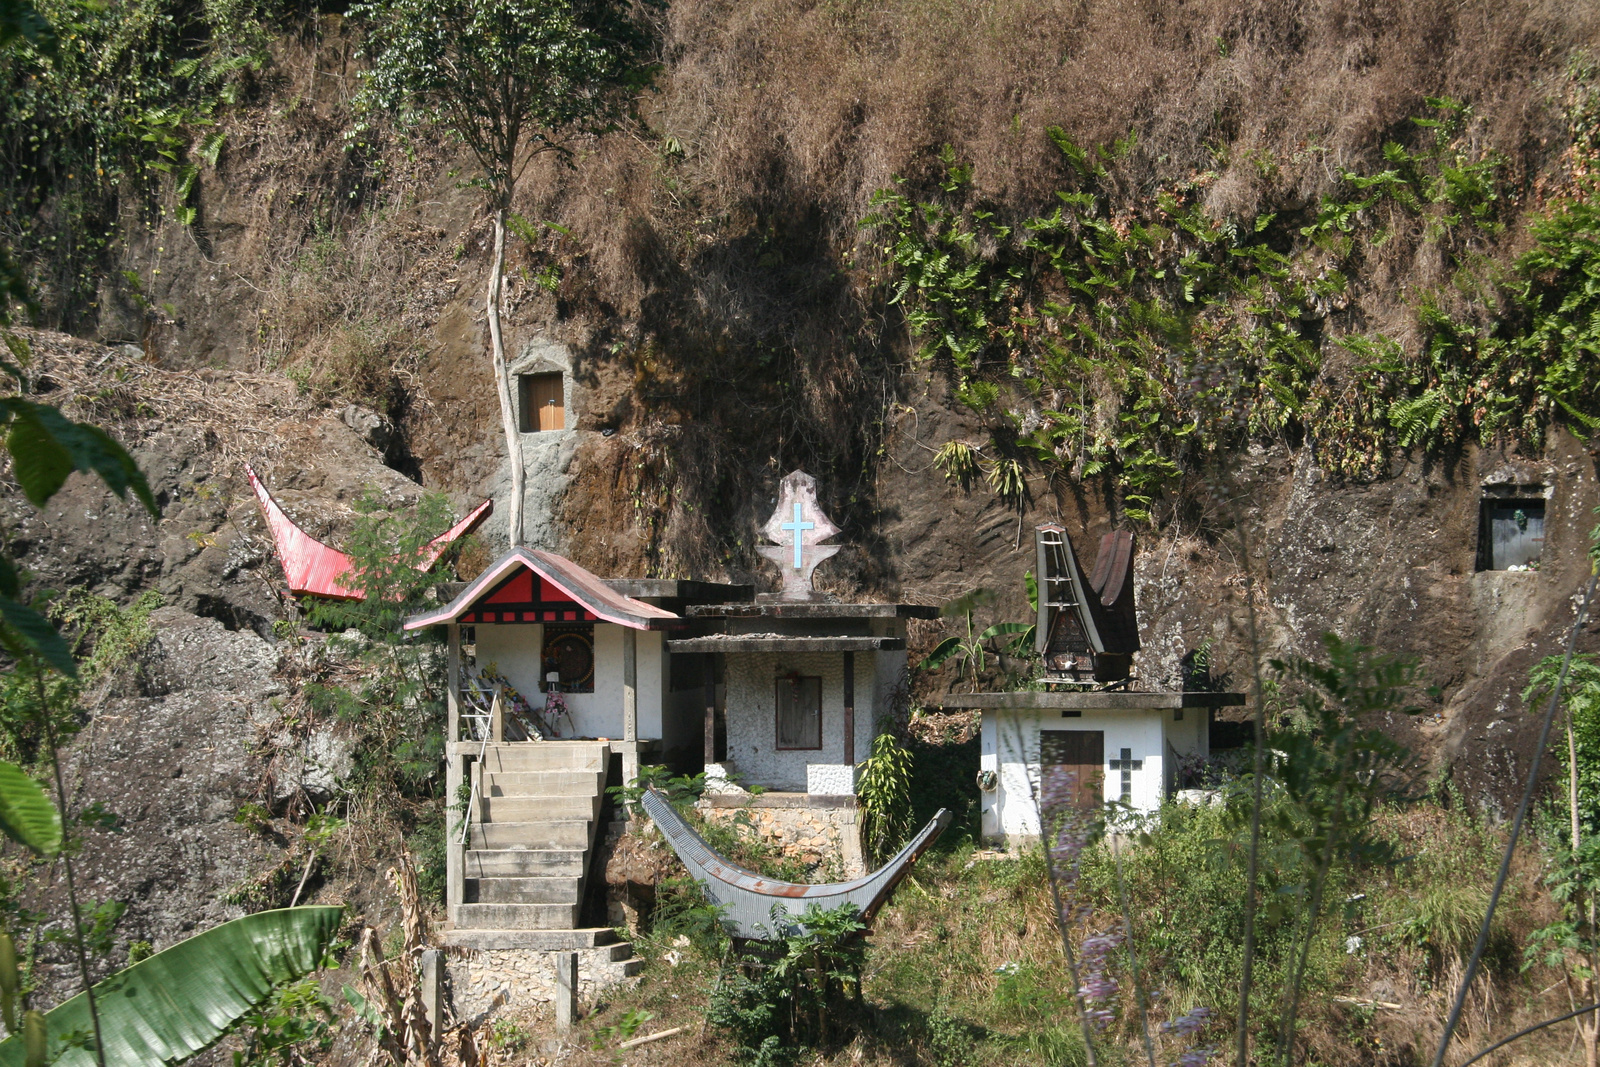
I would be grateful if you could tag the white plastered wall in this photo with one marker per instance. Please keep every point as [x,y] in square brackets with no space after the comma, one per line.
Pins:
[1011,749]
[516,649]
[753,718]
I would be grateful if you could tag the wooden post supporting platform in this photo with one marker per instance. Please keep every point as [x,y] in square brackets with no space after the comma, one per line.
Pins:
[850,708]
[566,991]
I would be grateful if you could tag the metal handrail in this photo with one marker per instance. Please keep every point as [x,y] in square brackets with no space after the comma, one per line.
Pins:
[477,786]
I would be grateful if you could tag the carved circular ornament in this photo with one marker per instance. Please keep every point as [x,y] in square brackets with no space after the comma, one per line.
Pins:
[572,656]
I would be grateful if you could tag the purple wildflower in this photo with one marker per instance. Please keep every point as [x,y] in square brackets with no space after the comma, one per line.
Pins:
[1189,1022]
[1187,1025]
[1057,788]
[1066,829]
[1095,985]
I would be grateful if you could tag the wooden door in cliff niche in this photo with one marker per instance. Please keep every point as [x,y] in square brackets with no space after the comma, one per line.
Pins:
[1072,768]
[543,402]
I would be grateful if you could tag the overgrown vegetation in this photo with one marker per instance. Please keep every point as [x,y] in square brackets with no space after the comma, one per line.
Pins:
[108,118]
[884,794]
[783,997]
[1128,338]
[394,702]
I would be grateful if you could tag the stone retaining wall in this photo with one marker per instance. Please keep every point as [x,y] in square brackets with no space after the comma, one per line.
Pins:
[486,981]
[823,832]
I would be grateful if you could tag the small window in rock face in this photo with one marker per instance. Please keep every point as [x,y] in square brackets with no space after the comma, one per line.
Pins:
[542,402]
[799,712]
[1511,530]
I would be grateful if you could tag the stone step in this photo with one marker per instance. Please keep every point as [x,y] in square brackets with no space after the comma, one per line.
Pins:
[544,756]
[524,863]
[550,834]
[540,809]
[540,940]
[541,783]
[620,951]
[517,916]
[547,890]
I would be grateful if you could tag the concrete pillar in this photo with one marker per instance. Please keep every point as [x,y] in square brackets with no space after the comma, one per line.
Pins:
[711,710]
[455,843]
[850,708]
[566,991]
[452,692]
[454,850]
[630,705]
[630,684]
[433,990]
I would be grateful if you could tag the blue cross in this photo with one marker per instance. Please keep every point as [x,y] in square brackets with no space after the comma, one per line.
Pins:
[798,526]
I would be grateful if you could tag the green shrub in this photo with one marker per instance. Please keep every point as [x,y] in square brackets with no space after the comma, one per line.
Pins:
[884,793]
[950,1040]
[791,993]
[428,844]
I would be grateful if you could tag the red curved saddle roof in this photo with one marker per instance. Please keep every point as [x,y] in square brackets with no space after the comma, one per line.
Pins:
[313,568]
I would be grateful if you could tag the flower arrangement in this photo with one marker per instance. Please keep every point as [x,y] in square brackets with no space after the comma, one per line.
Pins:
[555,707]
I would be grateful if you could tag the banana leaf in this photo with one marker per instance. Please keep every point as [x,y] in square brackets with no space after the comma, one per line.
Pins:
[26,814]
[941,652]
[178,1002]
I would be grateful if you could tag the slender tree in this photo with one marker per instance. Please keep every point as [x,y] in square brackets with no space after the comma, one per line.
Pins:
[511,79]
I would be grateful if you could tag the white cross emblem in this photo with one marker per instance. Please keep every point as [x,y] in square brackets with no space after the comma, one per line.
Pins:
[796,528]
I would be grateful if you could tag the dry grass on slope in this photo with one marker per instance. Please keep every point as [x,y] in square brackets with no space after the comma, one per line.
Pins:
[772,97]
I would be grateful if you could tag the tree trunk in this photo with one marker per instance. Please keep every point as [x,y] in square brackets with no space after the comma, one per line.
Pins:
[502,382]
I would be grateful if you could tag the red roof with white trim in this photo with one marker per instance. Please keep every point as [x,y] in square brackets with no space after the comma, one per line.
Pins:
[531,585]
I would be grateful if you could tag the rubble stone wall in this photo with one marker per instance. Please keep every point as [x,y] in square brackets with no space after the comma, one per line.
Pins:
[486,981]
[826,837]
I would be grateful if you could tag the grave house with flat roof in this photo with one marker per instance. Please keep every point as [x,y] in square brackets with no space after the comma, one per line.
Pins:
[1089,721]
[806,683]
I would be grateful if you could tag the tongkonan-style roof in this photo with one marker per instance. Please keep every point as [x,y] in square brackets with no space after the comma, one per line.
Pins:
[531,585]
[311,567]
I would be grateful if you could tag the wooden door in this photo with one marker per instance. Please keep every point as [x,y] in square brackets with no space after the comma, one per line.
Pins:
[1072,765]
[543,403]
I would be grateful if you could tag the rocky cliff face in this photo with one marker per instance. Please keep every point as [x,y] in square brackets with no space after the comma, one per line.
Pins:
[198,729]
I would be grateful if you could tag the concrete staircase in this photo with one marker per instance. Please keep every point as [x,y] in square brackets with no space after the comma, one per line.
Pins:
[538,807]
[535,818]
[533,823]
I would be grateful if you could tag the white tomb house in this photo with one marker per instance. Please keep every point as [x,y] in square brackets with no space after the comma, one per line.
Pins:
[1114,744]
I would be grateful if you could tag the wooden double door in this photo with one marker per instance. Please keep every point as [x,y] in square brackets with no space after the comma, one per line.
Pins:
[1074,761]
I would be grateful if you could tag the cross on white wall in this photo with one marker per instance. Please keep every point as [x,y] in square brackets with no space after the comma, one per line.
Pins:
[1127,765]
